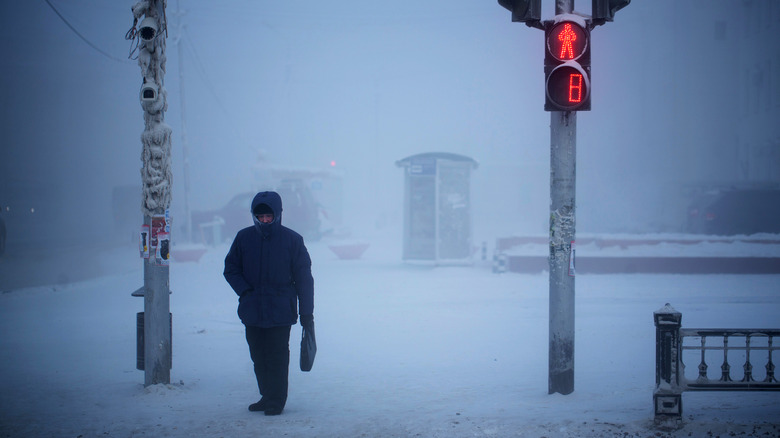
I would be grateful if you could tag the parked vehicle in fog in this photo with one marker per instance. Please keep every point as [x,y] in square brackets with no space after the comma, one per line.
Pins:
[300,212]
[735,211]
[231,217]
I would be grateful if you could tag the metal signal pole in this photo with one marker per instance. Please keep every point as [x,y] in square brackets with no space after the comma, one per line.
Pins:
[567,88]
[563,151]
[563,156]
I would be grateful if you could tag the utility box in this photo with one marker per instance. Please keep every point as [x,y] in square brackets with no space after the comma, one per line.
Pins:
[140,352]
[437,207]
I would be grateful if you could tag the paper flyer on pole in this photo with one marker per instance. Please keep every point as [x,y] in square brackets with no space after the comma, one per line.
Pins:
[163,251]
[159,225]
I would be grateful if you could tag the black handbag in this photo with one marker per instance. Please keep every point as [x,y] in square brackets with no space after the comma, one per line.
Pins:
[308,347]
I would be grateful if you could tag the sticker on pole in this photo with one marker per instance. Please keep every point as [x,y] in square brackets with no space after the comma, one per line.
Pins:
[160,224]
[163,252]
[143,241]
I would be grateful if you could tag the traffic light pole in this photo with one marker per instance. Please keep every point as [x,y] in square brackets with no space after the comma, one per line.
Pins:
[567,88]
[563,156]
[563,152]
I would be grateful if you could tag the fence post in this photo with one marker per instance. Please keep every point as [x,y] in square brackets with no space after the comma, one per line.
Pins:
[667,397]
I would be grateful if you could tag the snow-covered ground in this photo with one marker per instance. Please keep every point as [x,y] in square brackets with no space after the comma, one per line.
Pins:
[660,245]
[403,350]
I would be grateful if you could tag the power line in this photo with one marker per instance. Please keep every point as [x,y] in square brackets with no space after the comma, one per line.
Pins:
[107,55]
[202,71]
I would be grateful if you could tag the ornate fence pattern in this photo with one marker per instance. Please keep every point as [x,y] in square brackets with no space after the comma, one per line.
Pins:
[753,346]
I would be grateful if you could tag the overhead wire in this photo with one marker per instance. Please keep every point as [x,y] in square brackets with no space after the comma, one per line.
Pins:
[98,49]
[202,71]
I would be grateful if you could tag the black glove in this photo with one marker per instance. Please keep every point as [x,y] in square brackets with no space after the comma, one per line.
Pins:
[307,321]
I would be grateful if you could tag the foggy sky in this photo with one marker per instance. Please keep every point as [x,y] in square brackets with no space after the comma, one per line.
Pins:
[367,83]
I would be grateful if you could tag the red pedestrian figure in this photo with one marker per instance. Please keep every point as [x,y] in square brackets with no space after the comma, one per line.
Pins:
[566,37]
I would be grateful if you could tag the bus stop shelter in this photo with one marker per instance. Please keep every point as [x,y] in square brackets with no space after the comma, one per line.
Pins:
[437,207]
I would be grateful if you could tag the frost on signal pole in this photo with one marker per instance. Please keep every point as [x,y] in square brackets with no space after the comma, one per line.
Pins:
[156,176]
[566,43]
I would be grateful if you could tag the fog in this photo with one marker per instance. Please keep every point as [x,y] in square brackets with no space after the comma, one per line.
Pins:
[677,100]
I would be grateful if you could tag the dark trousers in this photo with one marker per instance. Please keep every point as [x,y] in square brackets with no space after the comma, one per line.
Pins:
[270,352]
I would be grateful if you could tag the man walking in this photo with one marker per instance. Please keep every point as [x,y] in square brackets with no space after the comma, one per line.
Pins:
[269,267]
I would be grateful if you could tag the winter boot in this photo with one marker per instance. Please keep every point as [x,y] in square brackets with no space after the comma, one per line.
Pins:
[273,410]
[259,406]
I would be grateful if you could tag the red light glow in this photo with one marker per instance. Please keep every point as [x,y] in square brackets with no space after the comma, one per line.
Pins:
[567,41]
[575,88]
[567,87]
[566,37]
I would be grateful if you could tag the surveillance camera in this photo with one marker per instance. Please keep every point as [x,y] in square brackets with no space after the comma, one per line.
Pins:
[148,29]
[148,92]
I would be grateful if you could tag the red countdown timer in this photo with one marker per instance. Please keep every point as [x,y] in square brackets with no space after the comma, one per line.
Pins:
[568,86]
[567,66]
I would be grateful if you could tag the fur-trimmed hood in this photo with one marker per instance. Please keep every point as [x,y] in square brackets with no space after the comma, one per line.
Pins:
[272,200]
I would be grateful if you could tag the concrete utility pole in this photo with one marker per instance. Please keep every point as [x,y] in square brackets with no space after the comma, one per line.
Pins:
[157,182]
[184,146]
[563,156]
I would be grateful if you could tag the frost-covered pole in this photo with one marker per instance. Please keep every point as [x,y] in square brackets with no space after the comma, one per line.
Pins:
[157,183]
[563,155]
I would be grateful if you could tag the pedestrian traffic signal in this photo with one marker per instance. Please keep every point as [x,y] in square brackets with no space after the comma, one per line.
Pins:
[604,10]
[527,11]
[567,66]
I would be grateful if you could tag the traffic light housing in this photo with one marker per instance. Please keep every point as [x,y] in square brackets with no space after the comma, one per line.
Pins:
[527,11]
[567,65]
[604,10]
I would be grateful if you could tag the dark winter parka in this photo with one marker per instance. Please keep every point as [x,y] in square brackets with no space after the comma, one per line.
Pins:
[269,268]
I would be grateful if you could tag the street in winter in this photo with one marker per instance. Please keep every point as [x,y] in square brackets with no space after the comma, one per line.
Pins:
[403,350]
[525,218]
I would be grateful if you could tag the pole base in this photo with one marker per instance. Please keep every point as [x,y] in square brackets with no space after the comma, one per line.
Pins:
[561,382]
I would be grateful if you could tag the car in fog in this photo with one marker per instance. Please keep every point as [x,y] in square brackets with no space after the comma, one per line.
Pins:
[300,212]
[230,218]
[735,211]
